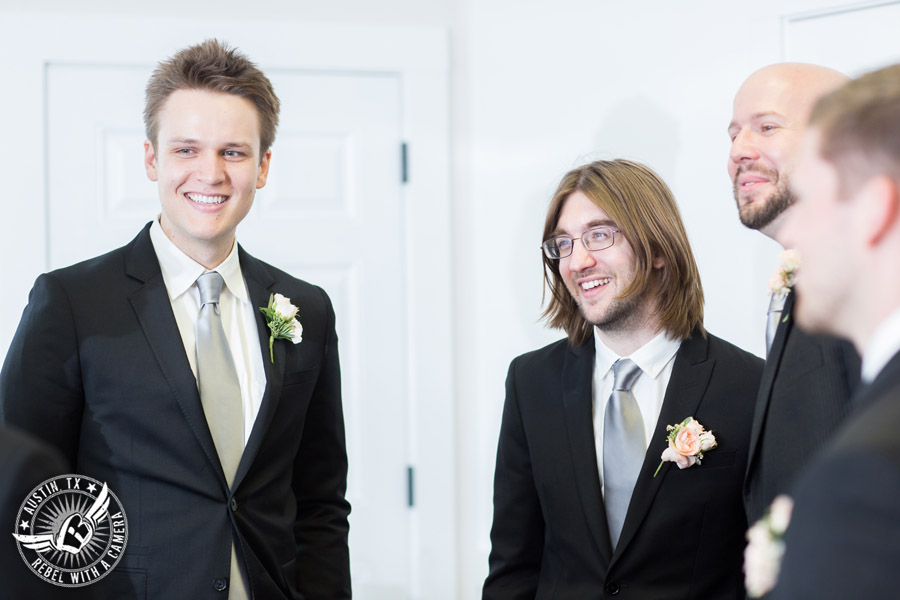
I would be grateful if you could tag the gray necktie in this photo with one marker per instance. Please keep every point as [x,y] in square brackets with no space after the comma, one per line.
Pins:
[776,307]
[623,446]
[220,394]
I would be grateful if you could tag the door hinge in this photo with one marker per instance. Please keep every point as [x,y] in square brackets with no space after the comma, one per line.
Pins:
[404,162]
[410,483]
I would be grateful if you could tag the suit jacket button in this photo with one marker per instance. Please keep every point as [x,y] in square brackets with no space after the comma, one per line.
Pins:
[220,584]
[612,588]
[234,505]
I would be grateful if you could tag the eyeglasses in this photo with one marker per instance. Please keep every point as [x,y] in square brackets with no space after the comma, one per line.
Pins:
[598,238]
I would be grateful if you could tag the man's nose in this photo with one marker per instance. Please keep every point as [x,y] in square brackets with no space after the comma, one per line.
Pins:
[581,258]
[211,168]
[743,147]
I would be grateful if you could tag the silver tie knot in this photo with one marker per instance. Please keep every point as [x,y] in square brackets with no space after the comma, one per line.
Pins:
[210,286]
[624,374]
[776,302]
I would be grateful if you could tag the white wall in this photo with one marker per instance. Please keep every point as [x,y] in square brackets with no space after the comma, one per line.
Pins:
[539,86]
[382,12]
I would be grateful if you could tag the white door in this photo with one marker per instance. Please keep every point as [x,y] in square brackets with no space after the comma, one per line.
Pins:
[331,214]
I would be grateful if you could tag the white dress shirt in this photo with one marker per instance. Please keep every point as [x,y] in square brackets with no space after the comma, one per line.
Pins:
[882,346]
[180,273]
[655,359]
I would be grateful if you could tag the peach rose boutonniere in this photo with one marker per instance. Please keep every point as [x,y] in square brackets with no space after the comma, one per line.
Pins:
[688,441]
[783,279]
[765,548]
[281,317]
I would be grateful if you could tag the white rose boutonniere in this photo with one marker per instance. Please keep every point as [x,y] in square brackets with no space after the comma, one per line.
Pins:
[765,548]
[783,279]
[281,317]
[688,441]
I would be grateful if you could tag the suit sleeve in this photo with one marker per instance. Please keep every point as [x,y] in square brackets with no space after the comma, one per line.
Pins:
[41,387]
[24,463]
[843,539]
[518,529]
[320,483]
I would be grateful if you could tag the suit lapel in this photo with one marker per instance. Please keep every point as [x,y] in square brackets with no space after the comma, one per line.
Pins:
[154,313]
[577,377]
[690,377]
[259,284]
[773,362]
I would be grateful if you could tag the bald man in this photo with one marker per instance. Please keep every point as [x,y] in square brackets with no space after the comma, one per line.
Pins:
[807,380]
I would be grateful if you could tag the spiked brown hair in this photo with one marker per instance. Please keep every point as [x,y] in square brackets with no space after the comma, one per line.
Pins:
[212,66]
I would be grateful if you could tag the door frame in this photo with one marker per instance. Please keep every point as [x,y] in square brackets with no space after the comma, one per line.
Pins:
[419,55]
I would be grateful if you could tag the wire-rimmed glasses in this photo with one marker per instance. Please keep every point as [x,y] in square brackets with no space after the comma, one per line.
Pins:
[594,239]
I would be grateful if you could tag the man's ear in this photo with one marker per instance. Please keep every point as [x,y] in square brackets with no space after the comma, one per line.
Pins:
[150,161]
[879,204]
[263,174]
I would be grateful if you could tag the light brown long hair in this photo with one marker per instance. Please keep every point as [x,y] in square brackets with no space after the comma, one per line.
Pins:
[644,210]
[214,67]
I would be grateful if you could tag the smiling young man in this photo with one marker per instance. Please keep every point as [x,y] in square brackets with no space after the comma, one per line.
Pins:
[579,510]
[150,369]
[807,381]
[844,536]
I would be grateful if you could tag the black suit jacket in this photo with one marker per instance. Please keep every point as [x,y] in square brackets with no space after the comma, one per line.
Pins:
[684,531]
[98,369]
[804,394]
[844,537]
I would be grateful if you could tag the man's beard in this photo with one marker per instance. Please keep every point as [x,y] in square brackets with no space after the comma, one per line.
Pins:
[761,212]
[621,315]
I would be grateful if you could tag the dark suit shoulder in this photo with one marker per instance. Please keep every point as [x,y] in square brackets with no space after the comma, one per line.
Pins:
[86,271]
[870,432]
[874,422]
[554,351]
[733,382]
[822,362]
[726,351]
[99,276]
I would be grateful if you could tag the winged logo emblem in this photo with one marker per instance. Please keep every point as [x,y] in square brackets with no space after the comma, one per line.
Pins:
[75,532]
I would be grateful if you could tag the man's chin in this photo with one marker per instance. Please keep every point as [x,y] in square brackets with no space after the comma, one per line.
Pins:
[753,216]
[619,316]
[761,212]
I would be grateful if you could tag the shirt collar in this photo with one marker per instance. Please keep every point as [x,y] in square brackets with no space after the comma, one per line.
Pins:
[882,346]
[180,271]
[652,357]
